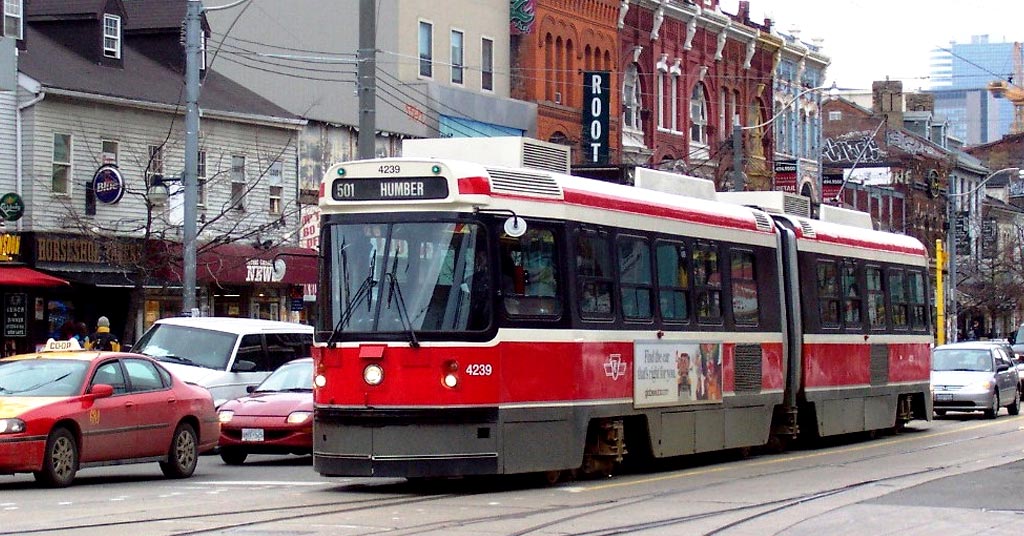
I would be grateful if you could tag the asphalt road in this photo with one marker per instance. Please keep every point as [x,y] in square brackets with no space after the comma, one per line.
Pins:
[960,475]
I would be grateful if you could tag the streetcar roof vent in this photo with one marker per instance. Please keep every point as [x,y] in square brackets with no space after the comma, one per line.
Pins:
[763,222]
[519,182]
[807,228]
[673,183]
[504,151]
[845,216]
[773,202]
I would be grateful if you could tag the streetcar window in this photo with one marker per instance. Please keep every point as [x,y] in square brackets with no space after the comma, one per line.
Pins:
[529,278]
[745,307]
[673,281]
[918,312]
[635,284]
[593,266]
[898,299]
[852,295]
[828,293]
[875,298]
[707,282]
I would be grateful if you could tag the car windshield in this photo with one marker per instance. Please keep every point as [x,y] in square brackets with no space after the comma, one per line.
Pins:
[977,359]
[42,377]
[290,377]
[408,277]
[187,345]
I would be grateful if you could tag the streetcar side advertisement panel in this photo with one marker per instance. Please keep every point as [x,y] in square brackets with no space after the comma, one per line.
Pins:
[672,373]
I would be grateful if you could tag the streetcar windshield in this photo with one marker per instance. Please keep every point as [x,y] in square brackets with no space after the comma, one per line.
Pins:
[409,277]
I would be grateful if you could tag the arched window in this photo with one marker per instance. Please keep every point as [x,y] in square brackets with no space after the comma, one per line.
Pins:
[699,115]
[631,98]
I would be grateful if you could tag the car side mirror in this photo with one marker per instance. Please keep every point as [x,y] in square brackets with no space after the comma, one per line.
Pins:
[250,389]
[1002,367]
[101,390]
[243,365]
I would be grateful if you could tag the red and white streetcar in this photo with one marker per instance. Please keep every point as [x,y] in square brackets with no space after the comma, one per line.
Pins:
[480,317]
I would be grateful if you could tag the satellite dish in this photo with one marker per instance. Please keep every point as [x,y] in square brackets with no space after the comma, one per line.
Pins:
[515,227]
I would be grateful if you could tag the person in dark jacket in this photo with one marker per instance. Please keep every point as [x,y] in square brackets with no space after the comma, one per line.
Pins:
[102,338]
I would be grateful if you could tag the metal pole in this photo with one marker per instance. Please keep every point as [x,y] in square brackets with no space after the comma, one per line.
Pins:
[367,79]
[738,177]
[188,178]
[954,202]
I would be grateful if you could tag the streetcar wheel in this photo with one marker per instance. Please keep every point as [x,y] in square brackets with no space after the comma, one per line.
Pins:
[233,456]
[940,412]
[1014,408]
[61,460]
[993,408]
[183,454]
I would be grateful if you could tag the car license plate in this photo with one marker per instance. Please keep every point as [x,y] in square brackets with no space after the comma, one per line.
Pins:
[938,396]
[252,434]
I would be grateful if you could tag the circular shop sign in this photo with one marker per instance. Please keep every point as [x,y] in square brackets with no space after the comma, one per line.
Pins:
[108,185]
[12,208]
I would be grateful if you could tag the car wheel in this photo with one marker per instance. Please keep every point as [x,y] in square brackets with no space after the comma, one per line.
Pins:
[233,456]
[183,454]
[60,463]
[993,408]
[1014,408]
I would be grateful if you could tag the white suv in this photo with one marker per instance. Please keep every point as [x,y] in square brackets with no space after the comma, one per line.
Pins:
[225,355]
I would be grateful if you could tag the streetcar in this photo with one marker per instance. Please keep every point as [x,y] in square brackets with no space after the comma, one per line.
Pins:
[479,316]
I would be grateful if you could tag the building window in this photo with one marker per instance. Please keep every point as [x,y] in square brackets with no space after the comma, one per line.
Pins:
[457,57]
[12,19]
[61,175]
[112,36]
[201,179]
[108,152]
[156,163]
[631,98]
[426,49]
[238,185]
[698,115]
[487,64]
[275,199]
[835,116]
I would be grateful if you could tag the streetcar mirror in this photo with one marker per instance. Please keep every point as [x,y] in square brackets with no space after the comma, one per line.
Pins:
[515,227]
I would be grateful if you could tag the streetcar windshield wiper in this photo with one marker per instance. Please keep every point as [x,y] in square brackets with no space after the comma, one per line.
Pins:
[395,290]
[363,292]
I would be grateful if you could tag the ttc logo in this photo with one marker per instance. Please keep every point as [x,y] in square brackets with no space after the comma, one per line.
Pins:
[615,367]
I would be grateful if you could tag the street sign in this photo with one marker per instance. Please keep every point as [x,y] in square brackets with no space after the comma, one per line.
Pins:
[962,232]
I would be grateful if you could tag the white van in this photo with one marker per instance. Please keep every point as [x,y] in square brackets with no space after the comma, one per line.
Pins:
[225,355]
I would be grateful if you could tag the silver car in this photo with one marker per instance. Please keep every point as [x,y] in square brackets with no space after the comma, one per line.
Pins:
[974,376]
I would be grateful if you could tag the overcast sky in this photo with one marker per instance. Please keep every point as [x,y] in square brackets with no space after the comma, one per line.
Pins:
[874,39]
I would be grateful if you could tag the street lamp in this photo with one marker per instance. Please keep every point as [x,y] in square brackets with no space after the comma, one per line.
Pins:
[737,140]
[953,219]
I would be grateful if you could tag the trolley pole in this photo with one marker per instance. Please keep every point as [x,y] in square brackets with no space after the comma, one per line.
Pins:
[367,71]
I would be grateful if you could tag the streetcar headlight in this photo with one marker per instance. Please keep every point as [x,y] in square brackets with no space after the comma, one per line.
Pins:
[320,380]
[225,415]
[299,417]
[12,426]
[373,374]
[451,374]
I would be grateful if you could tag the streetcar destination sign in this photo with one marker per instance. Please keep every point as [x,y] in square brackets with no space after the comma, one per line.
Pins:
[389,189]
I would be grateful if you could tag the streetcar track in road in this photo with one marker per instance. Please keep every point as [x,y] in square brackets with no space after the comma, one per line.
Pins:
[338,508]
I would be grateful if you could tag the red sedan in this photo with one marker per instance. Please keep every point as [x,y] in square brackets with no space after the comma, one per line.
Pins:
[64,409]
[276,417]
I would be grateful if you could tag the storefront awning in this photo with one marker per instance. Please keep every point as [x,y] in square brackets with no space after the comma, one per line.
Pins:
[241,264]
[22,276]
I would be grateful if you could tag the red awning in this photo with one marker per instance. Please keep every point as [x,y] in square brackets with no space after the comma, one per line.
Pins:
[22,276]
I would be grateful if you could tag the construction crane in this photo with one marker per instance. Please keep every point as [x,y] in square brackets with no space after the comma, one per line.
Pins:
[1012,91]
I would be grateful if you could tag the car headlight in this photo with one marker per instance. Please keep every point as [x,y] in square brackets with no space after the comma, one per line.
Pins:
[12,426]
[225,415]
[299,417]
[981,386]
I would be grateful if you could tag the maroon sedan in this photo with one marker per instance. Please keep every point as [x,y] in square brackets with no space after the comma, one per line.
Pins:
[275,418]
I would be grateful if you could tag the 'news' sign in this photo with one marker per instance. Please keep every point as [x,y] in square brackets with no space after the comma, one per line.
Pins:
[596,89]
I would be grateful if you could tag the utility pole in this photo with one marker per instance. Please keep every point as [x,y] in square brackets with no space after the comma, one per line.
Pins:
[953,218]
[193,27]
[367,71]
